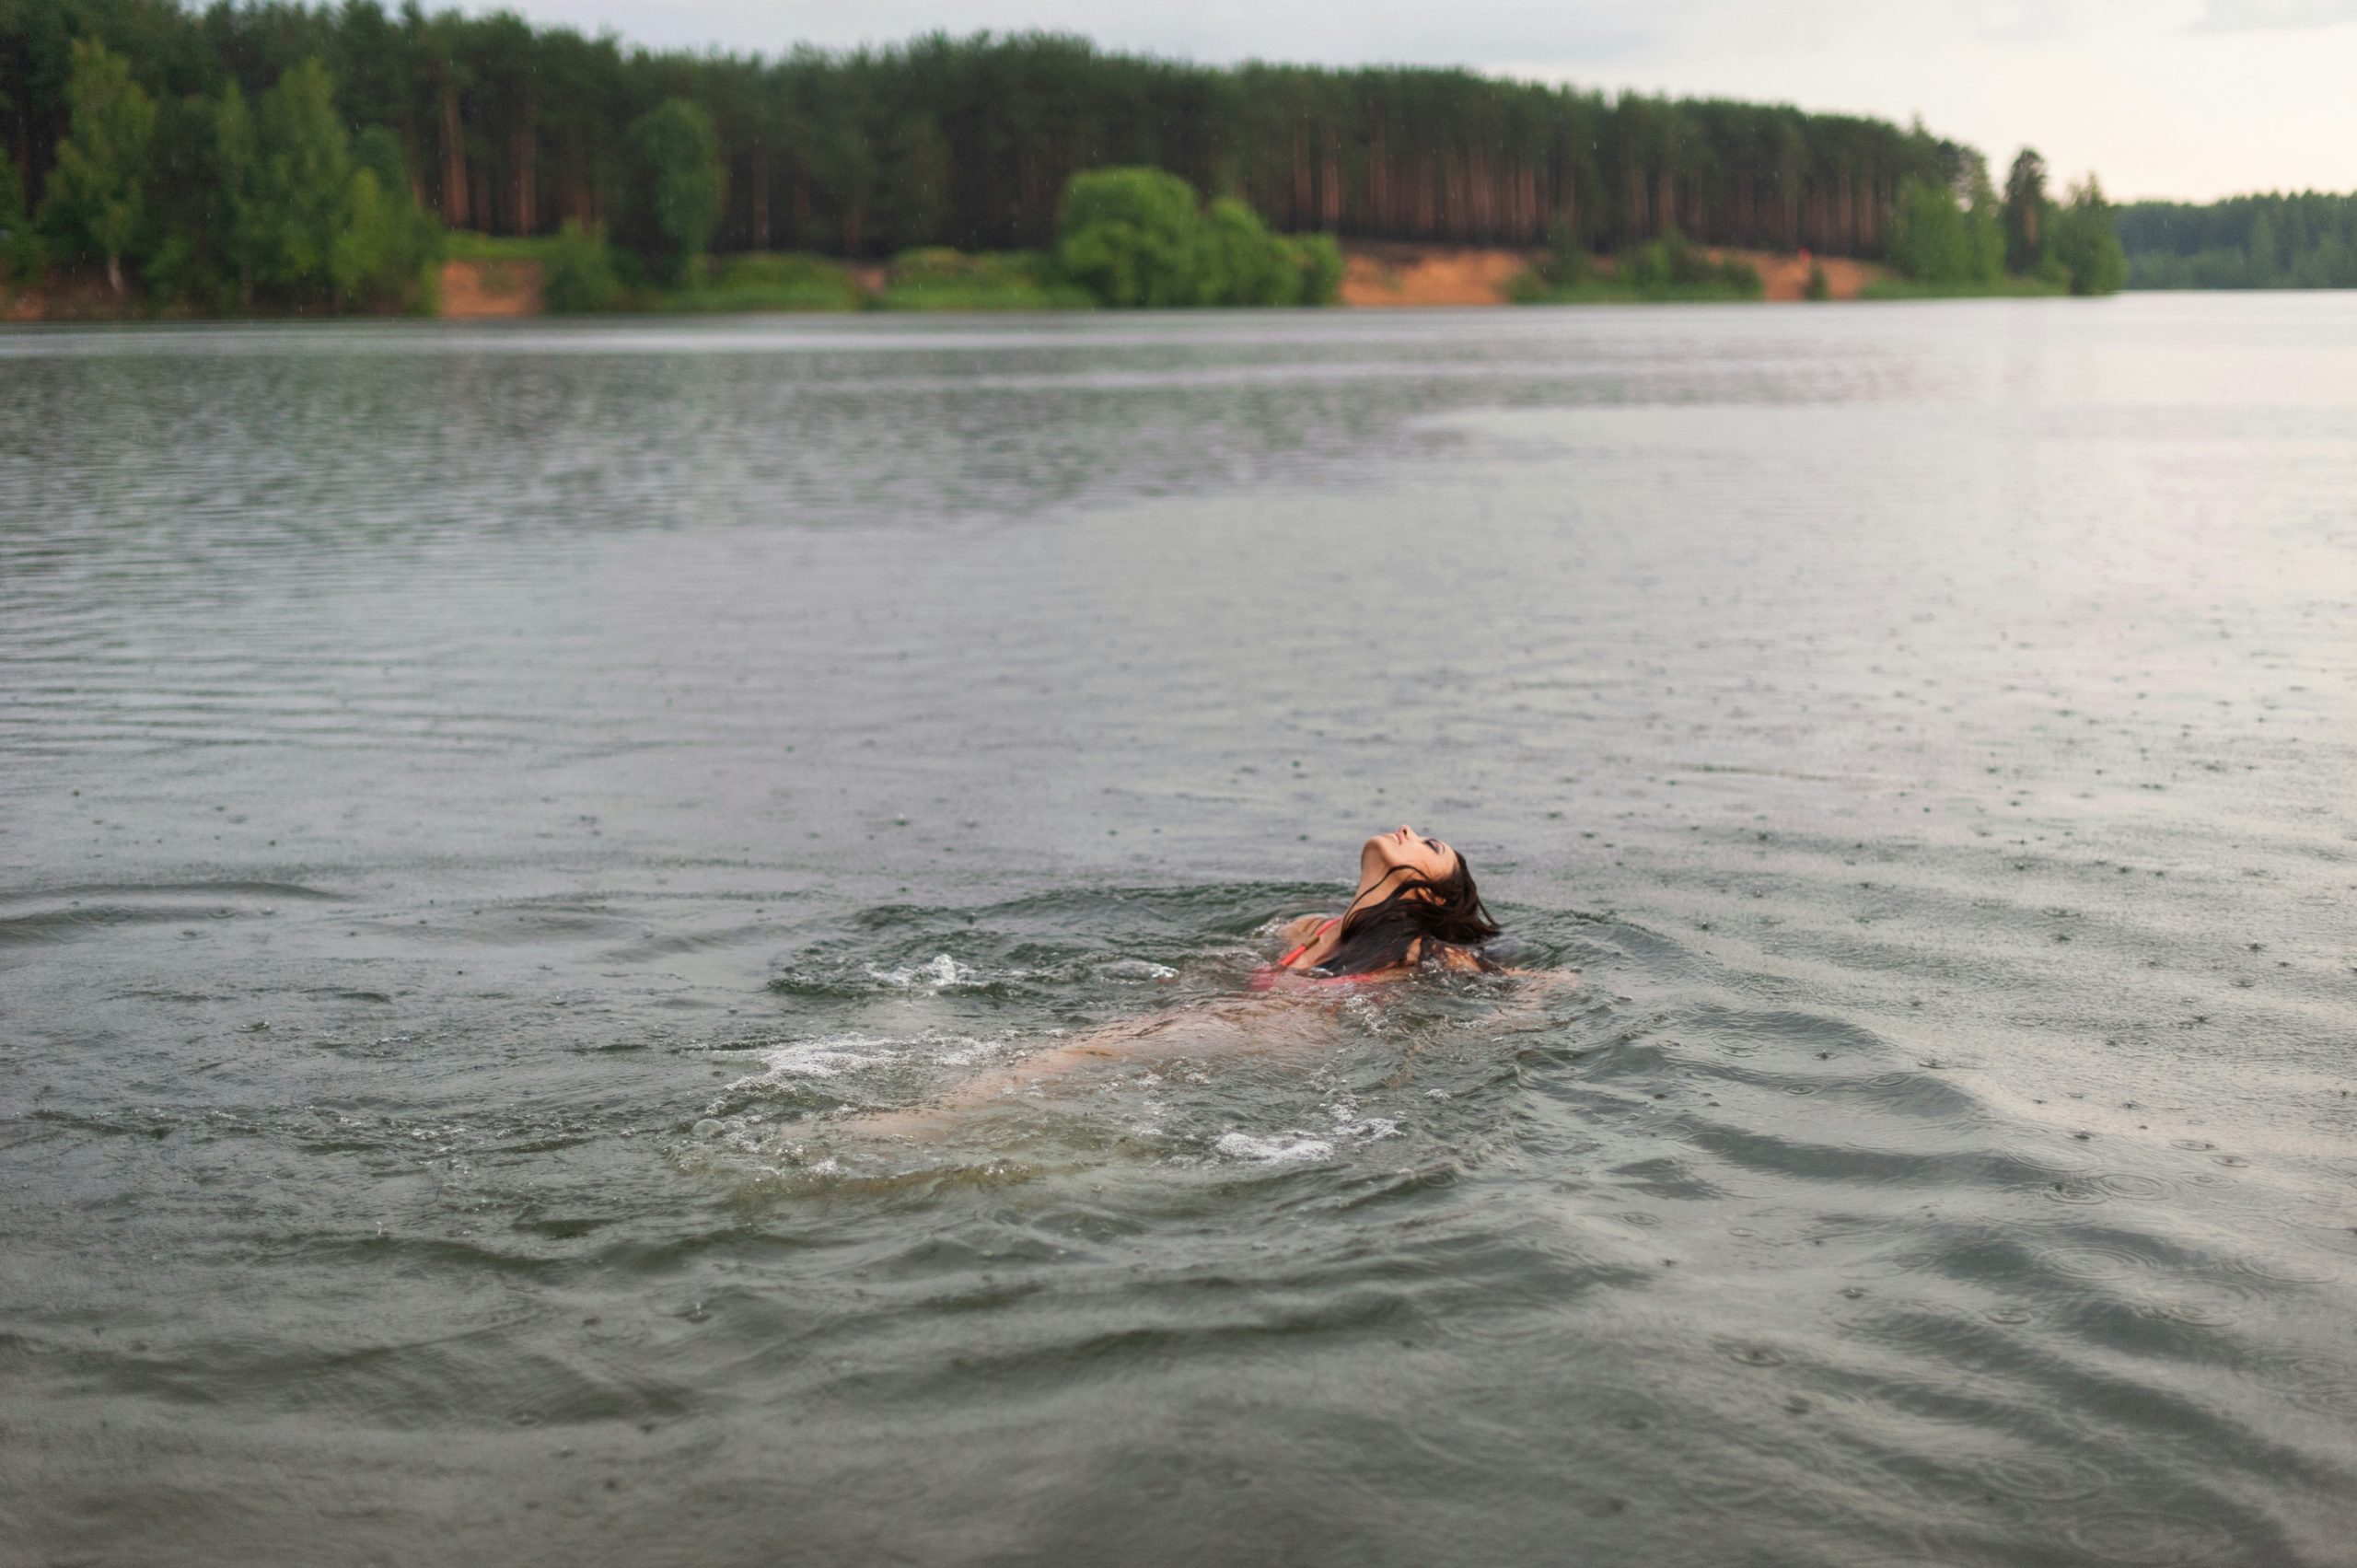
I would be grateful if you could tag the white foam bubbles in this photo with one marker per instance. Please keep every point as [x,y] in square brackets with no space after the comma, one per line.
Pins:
[832,1056]
[1281,1149]
[941,974]
[1137,971]
[826,1058]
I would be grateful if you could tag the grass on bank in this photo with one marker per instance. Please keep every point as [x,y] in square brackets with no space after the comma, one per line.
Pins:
[464,245]
[1667,269]
[768,280]
[1610,291]
[583,275]
[1998,288]
[940,279]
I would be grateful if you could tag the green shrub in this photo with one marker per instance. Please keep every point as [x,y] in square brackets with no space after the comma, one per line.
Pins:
[1319,259]
[1669,266]
[1135,237]
[1130,237]
[577,277]
[1664,268]
[1241,261]
[389,243]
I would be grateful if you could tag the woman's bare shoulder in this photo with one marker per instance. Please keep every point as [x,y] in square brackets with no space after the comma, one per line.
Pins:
[1302,928]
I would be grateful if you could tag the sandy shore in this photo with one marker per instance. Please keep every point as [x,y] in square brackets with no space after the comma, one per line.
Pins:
[1375,273]
[473,289]
[1786,274]
[1382,272]
[1378,273]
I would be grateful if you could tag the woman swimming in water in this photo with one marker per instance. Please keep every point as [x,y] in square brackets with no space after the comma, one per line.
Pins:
[1416,904]
[1416,910]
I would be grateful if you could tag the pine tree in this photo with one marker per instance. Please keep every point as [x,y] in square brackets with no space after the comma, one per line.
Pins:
[2025,206]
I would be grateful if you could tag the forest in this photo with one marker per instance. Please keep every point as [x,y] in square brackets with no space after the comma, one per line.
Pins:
[2308,240]
[303,155]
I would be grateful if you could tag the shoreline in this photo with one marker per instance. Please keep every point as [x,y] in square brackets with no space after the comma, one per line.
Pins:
[1377,275]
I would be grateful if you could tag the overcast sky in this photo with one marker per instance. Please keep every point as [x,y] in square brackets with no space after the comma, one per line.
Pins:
[2190,99]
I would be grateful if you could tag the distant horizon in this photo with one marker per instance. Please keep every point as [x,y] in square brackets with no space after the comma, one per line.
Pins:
[2191,101]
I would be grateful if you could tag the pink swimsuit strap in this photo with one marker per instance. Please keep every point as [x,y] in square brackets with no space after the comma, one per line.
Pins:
[1287,962]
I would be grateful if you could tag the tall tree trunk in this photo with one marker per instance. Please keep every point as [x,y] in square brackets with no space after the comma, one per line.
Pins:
[454,160]
[1303,194]
[761,240]
[114,272]
[527,214]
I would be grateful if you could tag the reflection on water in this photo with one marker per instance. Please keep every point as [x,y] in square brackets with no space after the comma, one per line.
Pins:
[489,813]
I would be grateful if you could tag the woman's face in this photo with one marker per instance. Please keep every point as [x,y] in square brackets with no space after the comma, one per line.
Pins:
[1401,848]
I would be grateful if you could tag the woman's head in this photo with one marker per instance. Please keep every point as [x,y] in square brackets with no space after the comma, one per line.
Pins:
[1416,896]
[1400,850]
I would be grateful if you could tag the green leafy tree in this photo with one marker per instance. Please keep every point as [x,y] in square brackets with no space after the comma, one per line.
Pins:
[1132,237]
[2025,212]
[387,240]
[2085,244]
[679,166]
[240,233]
[98,193]
[304,183]
[1930,237]
[1934,238]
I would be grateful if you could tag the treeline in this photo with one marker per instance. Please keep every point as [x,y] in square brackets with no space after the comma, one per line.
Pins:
[2307,240]
[509,129]
[1965,237]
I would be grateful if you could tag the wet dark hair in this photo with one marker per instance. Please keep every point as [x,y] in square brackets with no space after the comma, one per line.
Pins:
[1413,923]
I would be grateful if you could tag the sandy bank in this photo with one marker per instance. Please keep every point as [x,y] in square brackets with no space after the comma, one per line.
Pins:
[474,289]
[1378,273]
[1375,273]
[1786,274]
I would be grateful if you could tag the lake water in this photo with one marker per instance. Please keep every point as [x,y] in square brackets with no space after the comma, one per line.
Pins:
[482,808]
